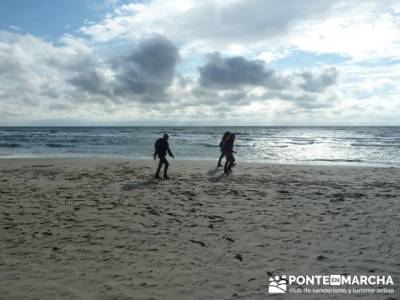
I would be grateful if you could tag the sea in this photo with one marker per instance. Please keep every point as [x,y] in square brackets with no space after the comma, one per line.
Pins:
[359,146]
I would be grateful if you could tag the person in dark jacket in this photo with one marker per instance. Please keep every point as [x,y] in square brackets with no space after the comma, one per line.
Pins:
[228,151]
[221,146]
[161,147]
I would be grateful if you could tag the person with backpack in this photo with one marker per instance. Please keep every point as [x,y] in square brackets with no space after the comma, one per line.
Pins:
[161,147]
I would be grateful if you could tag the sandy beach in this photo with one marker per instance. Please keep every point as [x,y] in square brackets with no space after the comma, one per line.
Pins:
[105,229]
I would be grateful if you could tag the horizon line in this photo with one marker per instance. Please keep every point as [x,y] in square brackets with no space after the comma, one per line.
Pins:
[161,125]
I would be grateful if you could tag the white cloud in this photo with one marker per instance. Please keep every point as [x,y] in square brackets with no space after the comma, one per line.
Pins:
[33,71]
[218,23]
[358,29]
[367,30]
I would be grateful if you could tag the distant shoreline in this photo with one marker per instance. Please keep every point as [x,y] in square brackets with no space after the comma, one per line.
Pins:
[194,126]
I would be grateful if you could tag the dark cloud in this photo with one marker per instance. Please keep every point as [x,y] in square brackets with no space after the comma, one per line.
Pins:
[148,71]
[227,80]
[232,72]
[92,81]
[59,106]
[142,76]
[236,97]
[49,91]
[318,81]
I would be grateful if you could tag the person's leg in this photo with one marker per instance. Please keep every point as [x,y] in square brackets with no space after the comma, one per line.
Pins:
[231,162]
[220,159]
[166,165]
[226,166]
[160,163]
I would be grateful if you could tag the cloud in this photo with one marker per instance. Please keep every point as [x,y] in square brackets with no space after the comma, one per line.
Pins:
[358,29]
[142,76]
[73,80]
[233,73]
[149,70]
[101,4]
[304,100]
[252,20]
[318,81]
[33,68]
[92,81]
[212,20]
[34,71]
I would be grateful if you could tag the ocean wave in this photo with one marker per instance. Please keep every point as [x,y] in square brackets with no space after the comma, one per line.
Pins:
[207,145]
[169,130]
[302,143]
[57,145]
[375,145]
[242,133]
[301,139]
[178,129]
[248,139]
[77,141]
[337,160]
[10,145]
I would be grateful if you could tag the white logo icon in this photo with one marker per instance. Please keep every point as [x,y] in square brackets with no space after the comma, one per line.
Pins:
[335,279]
[277,285]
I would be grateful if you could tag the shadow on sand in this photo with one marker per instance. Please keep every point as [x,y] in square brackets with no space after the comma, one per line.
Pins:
[214,175]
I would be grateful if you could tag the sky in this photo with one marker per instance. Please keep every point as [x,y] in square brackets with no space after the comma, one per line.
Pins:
[188,62]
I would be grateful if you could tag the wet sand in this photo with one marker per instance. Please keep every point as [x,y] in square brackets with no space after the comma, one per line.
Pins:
[105,229]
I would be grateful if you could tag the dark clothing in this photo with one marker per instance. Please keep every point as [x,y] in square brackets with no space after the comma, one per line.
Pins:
[221,146]
[220,158]
[164,161]
[227,148]
[230,159]
[161,147]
